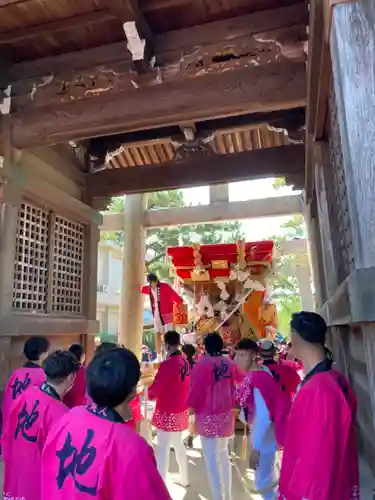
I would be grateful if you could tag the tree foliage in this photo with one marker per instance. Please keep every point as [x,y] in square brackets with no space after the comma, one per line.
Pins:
[285,289]
[159,239]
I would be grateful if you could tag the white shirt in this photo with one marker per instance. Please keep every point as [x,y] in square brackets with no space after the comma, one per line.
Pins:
[262,430]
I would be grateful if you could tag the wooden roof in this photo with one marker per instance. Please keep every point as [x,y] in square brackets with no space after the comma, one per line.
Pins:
[151,82]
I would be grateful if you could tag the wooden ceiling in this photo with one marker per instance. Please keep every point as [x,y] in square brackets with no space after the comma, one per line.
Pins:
[186,75]
[31,29]
[159,152]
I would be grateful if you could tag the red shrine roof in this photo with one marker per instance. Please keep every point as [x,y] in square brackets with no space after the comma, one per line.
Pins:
[218,259]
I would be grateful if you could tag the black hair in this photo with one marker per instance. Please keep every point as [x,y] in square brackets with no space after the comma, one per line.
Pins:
[247,345]
[105,346]
[34,347]
[172,338]
[189,350]
[112,376]
[77,350]
[213,343]
[59,365]
[310,326]
[151,278]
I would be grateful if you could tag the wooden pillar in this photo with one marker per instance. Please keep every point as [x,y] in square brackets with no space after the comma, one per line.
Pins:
[131,306]
[314,251]
[219,193]
[92,239]
[10,200]
[353,59]
[303,276]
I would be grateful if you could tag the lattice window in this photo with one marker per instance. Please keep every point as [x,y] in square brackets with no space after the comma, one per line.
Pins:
[67,266]
[31,261]
[338,198]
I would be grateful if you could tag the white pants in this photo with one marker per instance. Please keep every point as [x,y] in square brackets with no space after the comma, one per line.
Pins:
[265,476]
[165,441]
[216,456]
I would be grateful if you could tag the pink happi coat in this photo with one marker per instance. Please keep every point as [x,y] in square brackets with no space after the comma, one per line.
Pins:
[297,365]
[212,395]
[171,391]
[29,422]
[276,400]
[91,454]
[77,394]
[29,375]
[286,376]
[167,297]
[135,406]
[320,460]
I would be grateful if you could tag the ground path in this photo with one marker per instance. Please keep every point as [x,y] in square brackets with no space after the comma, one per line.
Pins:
[199,488]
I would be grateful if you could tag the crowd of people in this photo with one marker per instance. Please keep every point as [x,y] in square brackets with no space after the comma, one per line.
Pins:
[72,432]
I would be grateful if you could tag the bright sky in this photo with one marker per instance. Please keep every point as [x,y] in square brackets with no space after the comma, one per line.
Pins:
[254,229]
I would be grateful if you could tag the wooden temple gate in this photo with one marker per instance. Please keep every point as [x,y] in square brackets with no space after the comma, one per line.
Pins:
[125,97]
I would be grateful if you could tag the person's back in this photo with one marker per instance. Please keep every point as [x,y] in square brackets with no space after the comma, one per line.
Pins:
[320,460]
[135,404]
[30,374]
[321,437]
[170,389]
[286,376]
[212,395]
[171,386]
[91,453]
[29,421]
[264,405]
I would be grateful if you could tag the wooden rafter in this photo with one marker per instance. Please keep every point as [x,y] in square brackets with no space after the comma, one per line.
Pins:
[249,90]
[23,34]
[199,171]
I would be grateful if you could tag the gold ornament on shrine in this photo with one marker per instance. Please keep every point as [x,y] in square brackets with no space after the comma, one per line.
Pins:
[199,273]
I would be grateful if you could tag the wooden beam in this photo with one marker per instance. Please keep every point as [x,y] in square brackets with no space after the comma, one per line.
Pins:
[172,45]
[43,30]
[235,27]
[6,3]
[99,146]
[150,6]
[218,212]
[104,56]
[250,90]
[198,171]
